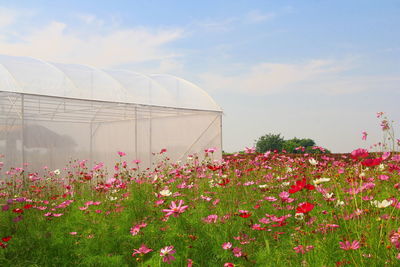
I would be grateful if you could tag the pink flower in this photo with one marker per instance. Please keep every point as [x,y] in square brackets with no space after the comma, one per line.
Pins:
[213,218]
[359,153]
[210,150]
[299,249]
[98,166]
[250,150]
[383,177]
[227,245]
[166,253]
[346,245]
[73,233]
[285,197]
[395,239]
[135,230]
[364,135]
[270,198]
[175,209]
[121,154]
[142,250]
[229,264]
[237,252]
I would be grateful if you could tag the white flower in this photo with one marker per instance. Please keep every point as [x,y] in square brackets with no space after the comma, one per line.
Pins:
[211,183]
[382,204]
[165,192]
[288,169]
[262,185]
[321,180]
[313,161]
[328,195]
[339,203]
[381,167]
[285,184]
[299,216]
[362,175]
[57,172]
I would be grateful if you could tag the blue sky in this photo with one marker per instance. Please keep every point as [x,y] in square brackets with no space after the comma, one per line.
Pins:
[312,69]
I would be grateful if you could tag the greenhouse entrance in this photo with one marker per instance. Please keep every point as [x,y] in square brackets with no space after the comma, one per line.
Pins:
[52,130]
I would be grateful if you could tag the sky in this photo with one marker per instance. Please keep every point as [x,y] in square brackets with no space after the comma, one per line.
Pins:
[305,69]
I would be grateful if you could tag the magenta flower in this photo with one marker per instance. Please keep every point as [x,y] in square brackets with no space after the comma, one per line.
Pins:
[142,250]
[346,245]
[359,153]
[237,252]
[364,135]
[227,245]
[166,253]
[175,209]
[213,218]
[121,154]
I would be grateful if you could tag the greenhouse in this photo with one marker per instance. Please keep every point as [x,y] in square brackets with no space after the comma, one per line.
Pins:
[51,114]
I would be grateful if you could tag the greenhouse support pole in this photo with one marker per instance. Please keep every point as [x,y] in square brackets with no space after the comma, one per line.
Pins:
[150,136]
[136,138]
[220,132]
[23,134]
[91,146]
[150,127]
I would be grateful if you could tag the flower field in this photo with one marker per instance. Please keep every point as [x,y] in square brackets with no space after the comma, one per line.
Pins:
[246,210]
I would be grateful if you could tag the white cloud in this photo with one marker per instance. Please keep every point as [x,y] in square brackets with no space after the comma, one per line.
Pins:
[7,17]
[257,16]
[325,76]
[217,25]
[92,44]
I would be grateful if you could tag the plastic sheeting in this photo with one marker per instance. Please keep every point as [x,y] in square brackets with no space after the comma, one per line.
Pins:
[54,114]
[33,76]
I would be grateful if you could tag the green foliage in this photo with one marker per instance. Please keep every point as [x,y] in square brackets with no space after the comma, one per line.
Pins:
[270,142]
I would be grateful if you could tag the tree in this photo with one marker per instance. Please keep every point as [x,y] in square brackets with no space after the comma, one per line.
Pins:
[269,142]
[276,142]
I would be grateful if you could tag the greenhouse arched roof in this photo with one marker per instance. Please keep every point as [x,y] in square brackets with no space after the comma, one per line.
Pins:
[33,76]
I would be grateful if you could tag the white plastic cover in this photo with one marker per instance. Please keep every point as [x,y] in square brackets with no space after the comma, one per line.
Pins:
[33,76]
[53,114]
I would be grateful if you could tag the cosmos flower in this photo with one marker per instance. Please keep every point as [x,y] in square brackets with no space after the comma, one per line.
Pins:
[175,209]
[142,250]
[382,204]
[346,245]
[305,207]
[166,253]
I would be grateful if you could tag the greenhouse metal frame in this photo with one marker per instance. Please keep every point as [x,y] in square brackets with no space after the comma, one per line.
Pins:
[55,114]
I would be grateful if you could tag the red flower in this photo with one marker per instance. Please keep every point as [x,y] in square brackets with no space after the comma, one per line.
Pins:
[28,206]
[244,213]
[300,184]
[371,162]
[359,153]
[305,207]
[6,239]
[225,181]
[214,168]
[3,245]
[87,177]
[17,210]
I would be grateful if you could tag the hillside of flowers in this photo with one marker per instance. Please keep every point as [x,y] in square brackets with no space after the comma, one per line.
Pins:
[244,210]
